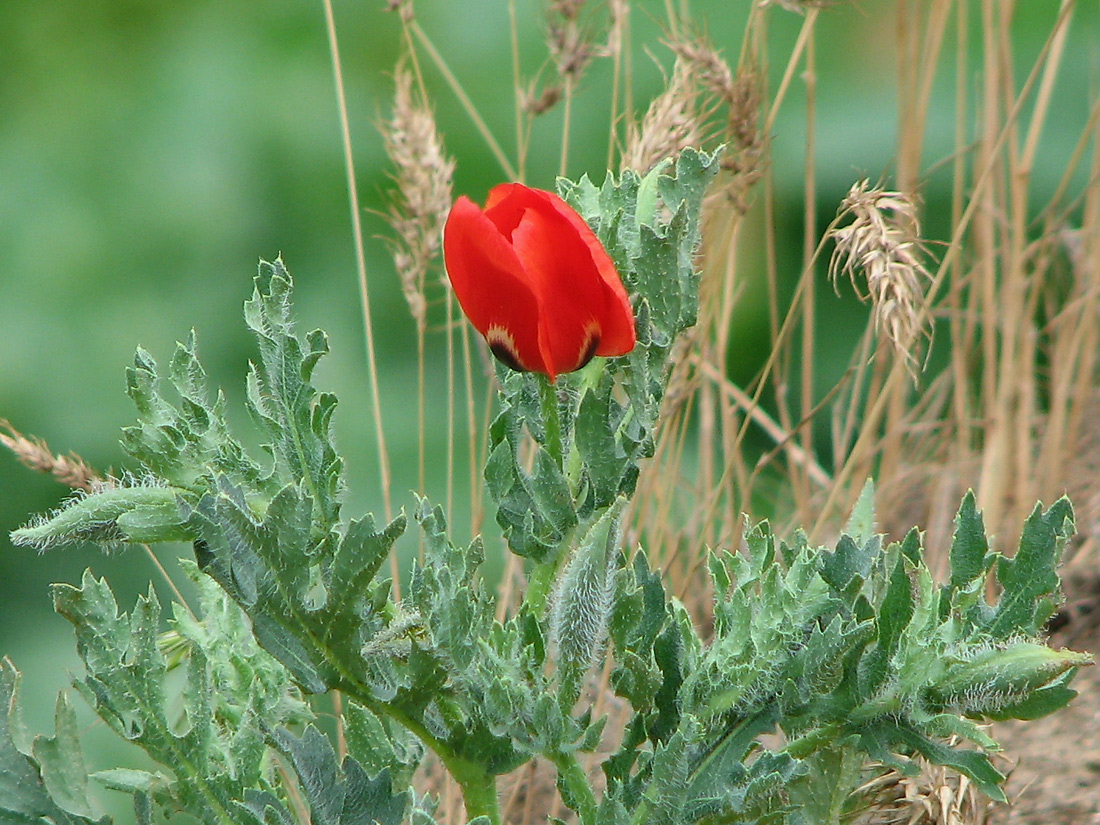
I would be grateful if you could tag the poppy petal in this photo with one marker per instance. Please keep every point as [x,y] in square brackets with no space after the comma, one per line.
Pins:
[560,270]
[492,287]
[536,282]
[617,319]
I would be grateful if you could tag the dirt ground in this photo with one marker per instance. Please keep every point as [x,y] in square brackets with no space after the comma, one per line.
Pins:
[1056,779]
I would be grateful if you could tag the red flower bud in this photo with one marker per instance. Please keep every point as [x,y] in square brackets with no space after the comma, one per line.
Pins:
[533,278]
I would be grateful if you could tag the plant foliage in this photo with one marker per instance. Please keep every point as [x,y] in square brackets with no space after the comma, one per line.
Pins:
[853,654]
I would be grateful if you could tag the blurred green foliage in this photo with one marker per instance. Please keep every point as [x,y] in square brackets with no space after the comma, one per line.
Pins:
[151,153]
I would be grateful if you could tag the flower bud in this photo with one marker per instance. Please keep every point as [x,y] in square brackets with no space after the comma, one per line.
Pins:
[140,514]
[534,279]
[999,677]
[582,603]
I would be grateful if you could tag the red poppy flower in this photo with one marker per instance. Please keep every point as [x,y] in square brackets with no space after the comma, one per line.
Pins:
[533,278]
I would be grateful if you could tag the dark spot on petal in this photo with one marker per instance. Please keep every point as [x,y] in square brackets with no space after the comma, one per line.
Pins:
[589,352]
[505,355]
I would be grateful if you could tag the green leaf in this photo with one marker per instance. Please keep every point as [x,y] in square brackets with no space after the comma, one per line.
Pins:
[62,763]
[861,523]
[1030,579]
[45,783]
[894,616]
[378,745]
[535,510]
[283,401]
[820,793]
[969,548]
[231,693]
[602,446]
[480,679]
[271,568]
[637,616]
[974,764]
[131,781]
[1043,702]
[125,685]
[847,566]
[184,444]
[339,794]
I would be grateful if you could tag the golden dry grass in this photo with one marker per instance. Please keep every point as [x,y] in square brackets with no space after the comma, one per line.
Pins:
[1006,297]
[977,366]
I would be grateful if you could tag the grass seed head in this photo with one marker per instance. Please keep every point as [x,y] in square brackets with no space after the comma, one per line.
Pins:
[935,796]
[672,122]
[882,243]
[570,45]
[402,7]
[538,103]
[423,174]
[35,453]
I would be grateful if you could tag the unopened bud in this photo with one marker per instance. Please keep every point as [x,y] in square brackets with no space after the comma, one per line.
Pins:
[582,603]
[1000,677]
[139,514]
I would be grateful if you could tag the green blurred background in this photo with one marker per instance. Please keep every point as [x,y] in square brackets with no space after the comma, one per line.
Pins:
[151,152]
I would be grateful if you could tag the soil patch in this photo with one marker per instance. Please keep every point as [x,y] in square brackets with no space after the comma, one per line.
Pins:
[1056,780]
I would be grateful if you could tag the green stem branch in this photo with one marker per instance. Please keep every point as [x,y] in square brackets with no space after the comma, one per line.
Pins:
[574,780]
[479,790]
[551,417]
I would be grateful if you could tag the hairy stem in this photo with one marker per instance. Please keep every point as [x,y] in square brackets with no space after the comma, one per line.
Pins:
[479,790]
[572,776]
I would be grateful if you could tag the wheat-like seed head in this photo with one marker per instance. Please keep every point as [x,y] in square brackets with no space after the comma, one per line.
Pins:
[711,70]
[570,46]
[883,243]
[936,796]
[402,7]
[35,453]
[702,85]
[423,197]
[672,122]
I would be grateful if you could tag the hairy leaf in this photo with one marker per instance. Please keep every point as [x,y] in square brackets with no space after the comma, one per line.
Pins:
[46,781]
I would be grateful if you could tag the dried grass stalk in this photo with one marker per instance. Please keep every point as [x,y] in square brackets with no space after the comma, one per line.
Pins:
[883,243]
[672,122]
[35,453]
[798,6]
[709,68]
[570,46]
[937,796]
[423,198]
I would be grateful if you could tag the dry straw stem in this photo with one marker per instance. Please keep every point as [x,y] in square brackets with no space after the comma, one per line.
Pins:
[701,84]
[35,453]
[936,796]
[423,175]
[570,46]
[883,244]
[798,6]
[705,100]
[672,122]
[1015,404]
[361,273]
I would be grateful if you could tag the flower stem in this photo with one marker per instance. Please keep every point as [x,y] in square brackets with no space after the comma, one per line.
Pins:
[542,577]
[572,777]
[479,790]
[551,417]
